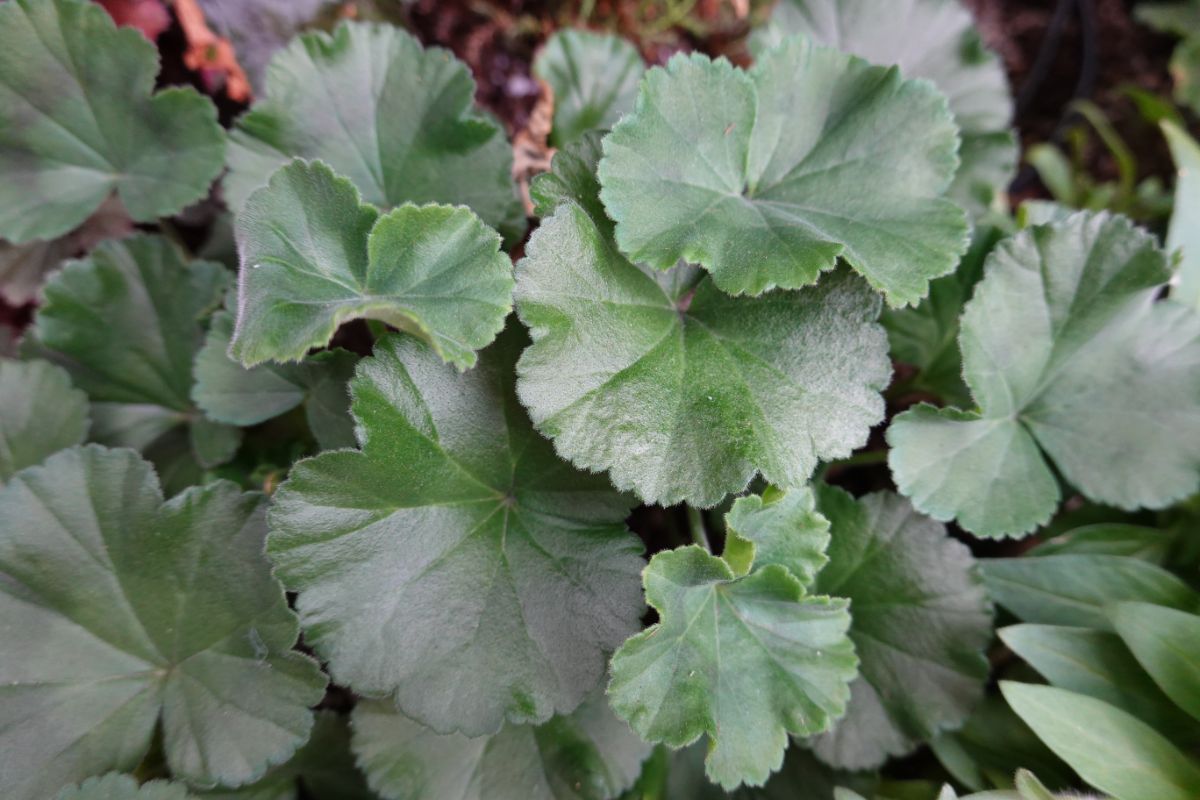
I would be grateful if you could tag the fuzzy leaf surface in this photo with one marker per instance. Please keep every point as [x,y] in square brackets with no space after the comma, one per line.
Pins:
[313,256]
[40,414]
[455,562]
[594,77]
[931,39]
[588,754]
[79,120]
[1184,235]
[679,390]
[395,118]
[921,624]
[777,527]
[122,612]
[1070,357]
[745,661]
[714,167]
[115,786]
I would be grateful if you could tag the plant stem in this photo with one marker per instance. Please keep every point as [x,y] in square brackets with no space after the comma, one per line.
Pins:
[869,458]
[696,526]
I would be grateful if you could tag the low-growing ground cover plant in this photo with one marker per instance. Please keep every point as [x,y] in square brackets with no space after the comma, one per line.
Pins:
[769,452]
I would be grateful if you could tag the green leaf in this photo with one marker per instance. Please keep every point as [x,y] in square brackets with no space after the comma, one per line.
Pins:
[78,121]
[314,256]
[765,661]
[325,767]
[714,167]
[1096,664]
[1074,589]
[455,562]
[126,323]
[123,612]
[40,413]
[258,28]
[1166,642]
[1184,235]
[228,392]
[779,527]
[115,786]
[393,117]
[677,389]
[920,625]
[586,755]
[1111,539]
[594,77]
[1110,749]
[572,178]
[1067,354]
[931,39]
[802,777]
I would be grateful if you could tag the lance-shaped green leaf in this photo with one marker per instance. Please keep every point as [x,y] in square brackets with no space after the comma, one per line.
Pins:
[455,562]
[78,121]
[1067,353]
[677,389]
[586,755]
[714,166]
[594,77]
[115,786]
[395,118]
[40,414]
[1110,749]
[324,766]
[228,392]
[1166,642]
[1184,236]
[931,39]
[126,323]
[746,661]
[123,612]
[313,256]
[777,527]
[921,624]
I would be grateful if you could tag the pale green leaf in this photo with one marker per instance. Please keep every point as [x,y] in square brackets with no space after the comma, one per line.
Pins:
[228,392]
[115,786]
[921,624]
[40,414]
[1110,749]
[931,39]
[313,256]
[594,77]
[715,167]
[455,562]
[395,118]
[79,121]
[746,661]
[1068,354]
[123,612]
[1111,539]
[677,389]
[1166,642]
[1184,236]
[1074,589]
[586,755]
[777,527]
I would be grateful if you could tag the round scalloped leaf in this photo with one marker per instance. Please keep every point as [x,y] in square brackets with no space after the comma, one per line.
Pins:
[123,612]
[744,660]
[920,625]
[586,755]
[78,121]
[395,118]
[715,167]
[1067,354]
[778,527]
[314,256]
[115,786]
[455,562]
[931,39]
[594,77]
[677,389]
[40,414]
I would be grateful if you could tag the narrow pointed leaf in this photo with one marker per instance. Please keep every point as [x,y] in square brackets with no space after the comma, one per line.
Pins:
[714,167]
[455,562]
[1184,236]
[40,414]
[79,121]
[123,612]
[1166,642]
